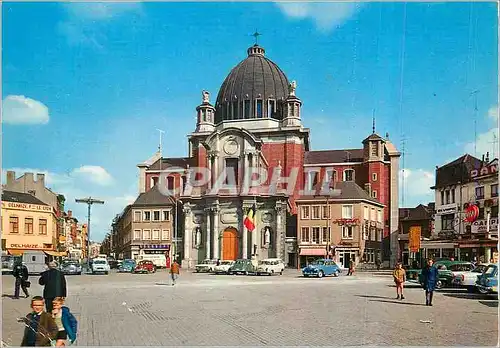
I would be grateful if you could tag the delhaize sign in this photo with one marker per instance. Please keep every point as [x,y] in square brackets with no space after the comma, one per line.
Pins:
[480,226]
[27,206]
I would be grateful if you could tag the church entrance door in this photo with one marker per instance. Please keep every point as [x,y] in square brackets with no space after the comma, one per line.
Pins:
[230,244]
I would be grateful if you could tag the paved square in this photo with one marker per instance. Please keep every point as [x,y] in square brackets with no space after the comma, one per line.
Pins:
[203,309]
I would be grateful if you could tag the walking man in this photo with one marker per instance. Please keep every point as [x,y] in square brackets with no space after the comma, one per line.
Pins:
[20,272]
[54,284]
[174,271]
[430,277]
[399,276]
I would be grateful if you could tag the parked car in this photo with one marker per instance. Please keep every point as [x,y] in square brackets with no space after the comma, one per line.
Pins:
[242,266]
[488,281]
[205,266]
[71,267]
[223,267]
[100,266]
[321,268]
[444,271]
[466,278]
[8,263]
[145,266]
[270,267]
[127,265]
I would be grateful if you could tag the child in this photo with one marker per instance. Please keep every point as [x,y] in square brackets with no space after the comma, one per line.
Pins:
[65,321]
[399,275]
[40,328]
[174,271]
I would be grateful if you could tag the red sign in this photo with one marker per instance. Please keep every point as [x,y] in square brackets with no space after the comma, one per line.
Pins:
[471,213]
[347,221]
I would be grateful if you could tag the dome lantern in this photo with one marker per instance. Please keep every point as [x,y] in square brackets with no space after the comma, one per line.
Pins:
[205,114]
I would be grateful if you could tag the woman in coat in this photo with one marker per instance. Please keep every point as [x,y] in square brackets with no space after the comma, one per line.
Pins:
[430,277]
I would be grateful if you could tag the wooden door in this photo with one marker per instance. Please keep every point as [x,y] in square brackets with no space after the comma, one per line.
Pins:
[230,244]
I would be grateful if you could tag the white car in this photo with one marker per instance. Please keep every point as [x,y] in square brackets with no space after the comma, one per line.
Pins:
[466,277]
[223,267]
[205,266]
[100,266]
[270,267]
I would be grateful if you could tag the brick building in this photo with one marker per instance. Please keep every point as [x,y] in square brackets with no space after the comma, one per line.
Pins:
[256,122]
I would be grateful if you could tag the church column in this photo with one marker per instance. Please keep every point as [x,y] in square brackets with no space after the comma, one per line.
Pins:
[279,230]
[216,232]
[187,235]
[208,235]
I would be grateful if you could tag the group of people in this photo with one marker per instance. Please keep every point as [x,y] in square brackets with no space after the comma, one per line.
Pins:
[57,324]
[430,276]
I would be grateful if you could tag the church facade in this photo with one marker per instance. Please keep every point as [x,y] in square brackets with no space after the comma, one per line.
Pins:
[249,151]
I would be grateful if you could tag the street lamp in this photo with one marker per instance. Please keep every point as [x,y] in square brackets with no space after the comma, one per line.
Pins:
[89,201]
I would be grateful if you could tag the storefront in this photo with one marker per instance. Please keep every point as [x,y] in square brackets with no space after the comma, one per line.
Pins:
[310,254]
[478,250]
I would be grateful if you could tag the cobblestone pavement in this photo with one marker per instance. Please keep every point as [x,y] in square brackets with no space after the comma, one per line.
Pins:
[203,309]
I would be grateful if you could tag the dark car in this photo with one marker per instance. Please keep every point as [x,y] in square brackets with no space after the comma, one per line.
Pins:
[242,266]
[71,267]
[145,267]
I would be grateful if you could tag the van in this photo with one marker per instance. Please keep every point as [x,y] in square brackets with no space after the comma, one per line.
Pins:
[35,261]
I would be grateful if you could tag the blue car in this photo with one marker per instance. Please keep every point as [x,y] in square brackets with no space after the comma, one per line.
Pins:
[321,268]
[127,266]
[487,283]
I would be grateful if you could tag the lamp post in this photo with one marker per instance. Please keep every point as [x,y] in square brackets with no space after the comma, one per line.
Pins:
[89,201]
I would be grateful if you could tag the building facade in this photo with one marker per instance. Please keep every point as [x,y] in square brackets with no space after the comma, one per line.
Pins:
[254,130]
[28,224]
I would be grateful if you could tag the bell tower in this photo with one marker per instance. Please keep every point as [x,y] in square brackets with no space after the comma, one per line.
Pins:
[205,114]
[291,117]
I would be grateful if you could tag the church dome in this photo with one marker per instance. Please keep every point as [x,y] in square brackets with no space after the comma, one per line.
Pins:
[255,88]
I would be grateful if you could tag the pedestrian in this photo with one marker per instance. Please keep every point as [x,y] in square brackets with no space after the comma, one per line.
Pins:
[54,284]
[399,275]
[430,277]
[66,322]
[174,271]
[351,268]
[40,329]
[21,274]
[377,263]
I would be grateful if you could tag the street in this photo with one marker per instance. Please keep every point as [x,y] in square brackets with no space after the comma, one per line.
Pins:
[204,309]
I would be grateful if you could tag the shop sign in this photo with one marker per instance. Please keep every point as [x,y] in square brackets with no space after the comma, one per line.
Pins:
[471,213]
[26,246]
[484,171]
[480,226]
[349,222]
[414,238]
[446,209]
[155,246]
[26,206]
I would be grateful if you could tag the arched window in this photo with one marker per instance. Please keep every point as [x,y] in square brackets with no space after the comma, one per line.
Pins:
[349,175]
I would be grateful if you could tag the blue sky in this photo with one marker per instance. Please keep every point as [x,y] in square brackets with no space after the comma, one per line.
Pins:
[86,85]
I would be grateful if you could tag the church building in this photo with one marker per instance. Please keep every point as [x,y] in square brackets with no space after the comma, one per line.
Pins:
[254,133]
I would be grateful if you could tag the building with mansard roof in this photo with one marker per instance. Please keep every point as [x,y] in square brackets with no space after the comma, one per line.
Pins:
[257,122]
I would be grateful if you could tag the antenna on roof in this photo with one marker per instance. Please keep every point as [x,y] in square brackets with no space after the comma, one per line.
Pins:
[474,93]
[160,147]
[403,143]
[373,122]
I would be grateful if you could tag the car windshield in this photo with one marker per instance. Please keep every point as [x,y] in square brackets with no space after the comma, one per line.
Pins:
[69,263]
[240,262]
[99,262]
[321,262]
[128,262]
[479,269]
[490,271]
[461,267]
[6,258]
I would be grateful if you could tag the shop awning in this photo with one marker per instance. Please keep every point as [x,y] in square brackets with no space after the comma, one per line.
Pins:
[15,252]
[312,252]
[53,253]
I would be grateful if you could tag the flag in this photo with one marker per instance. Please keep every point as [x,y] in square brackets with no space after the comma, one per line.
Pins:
[249,219]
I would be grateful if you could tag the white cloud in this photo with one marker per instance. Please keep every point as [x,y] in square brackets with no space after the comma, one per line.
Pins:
[487,141]
[95,174]
[493,113]
[18,109]
[417,186]
[326,15]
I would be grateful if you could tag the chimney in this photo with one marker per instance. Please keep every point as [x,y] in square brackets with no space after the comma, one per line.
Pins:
[41,179]
[488,157]
[483,159]
[11,177]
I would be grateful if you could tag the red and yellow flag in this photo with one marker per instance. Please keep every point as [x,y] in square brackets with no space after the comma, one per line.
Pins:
[249,219]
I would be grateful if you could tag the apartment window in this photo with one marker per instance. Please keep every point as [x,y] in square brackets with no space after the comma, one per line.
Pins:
[170,182]
[154,180]
[137,216]
[379,216]
[304,235]
[156,234]
[325,209]
[325,235]
[347,211]
[156,215]
[271,107]
[42,226]
[481,213]
[374,194]
[347,232]
[258,108]
[315,212]
[494,211]
[165,234]
[14,224]
[166,215]
[494,190]
[447,222]
[146,234]
[452,195]
[480,192]
[374,176]
[315,235]
[312,180]
[28,225]
[348,175]
[447,192]
[442,197]
[247,108]
[232,167]
[147,216]
[379,235]
[305,212]
[373,215]
[137,234]
[365,232]
[366,213]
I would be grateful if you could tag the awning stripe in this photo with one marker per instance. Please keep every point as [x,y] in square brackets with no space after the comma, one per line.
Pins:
[312,252]
[15,252]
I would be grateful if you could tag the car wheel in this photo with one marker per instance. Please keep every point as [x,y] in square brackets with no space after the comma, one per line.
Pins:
[229,273]
[321,274]
[336,274]
[245,273]
[258,273]
[439,284]
[482,291]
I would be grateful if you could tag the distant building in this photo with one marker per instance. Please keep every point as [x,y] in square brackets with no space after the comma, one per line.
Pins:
[420,216]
